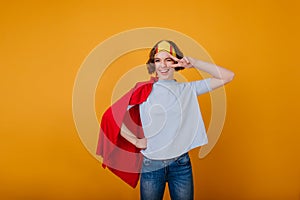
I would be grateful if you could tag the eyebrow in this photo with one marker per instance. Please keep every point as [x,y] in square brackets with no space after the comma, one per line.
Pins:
[164,58]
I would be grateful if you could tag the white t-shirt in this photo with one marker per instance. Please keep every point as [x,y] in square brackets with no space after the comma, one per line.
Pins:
[172,120]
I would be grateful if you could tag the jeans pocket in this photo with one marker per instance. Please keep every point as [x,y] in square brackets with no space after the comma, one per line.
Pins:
[183,160]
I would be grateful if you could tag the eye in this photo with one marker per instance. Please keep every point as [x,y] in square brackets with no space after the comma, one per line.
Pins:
[156,60]
[169,60]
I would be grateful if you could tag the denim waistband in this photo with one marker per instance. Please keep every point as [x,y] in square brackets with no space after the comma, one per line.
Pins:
[167,160]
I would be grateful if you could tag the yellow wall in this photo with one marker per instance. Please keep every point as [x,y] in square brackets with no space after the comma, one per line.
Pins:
[44,43]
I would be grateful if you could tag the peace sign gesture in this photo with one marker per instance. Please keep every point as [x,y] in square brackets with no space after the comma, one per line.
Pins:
[183,62]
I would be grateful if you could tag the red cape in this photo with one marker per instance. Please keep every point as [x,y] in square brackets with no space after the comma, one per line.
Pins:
[120,156]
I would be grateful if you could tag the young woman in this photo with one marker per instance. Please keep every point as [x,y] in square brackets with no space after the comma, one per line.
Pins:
[172,122]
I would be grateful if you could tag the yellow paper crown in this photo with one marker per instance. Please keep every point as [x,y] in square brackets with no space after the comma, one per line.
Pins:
[165,46]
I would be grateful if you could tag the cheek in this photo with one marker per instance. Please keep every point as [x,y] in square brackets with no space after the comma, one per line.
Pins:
[156,65]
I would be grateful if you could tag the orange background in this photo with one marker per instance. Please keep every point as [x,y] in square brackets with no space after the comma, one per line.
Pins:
[44,43]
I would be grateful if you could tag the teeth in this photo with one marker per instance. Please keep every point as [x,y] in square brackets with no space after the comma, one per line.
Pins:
[164,71]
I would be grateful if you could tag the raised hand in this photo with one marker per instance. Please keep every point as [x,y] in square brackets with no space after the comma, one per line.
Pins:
[185,62]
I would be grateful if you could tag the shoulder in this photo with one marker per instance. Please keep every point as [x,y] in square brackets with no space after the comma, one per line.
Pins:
[143,83]
[141,91]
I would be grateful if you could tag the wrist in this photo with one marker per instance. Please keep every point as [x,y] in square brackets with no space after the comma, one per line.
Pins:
[197,63]
[193,62]
[136,144]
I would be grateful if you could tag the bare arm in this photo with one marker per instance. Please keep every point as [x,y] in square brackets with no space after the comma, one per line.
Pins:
[220,75]
[130,137]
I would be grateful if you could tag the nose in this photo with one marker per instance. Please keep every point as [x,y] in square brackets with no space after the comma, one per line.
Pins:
[163,64]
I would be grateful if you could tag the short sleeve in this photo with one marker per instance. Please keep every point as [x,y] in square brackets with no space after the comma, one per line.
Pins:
[201,86]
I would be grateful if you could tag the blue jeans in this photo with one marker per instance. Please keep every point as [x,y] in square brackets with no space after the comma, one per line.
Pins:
[177,172]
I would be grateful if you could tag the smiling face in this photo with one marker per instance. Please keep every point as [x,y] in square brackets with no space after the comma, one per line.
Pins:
[163,62]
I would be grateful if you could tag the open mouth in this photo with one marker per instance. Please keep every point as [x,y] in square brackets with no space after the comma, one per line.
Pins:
[164,71]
